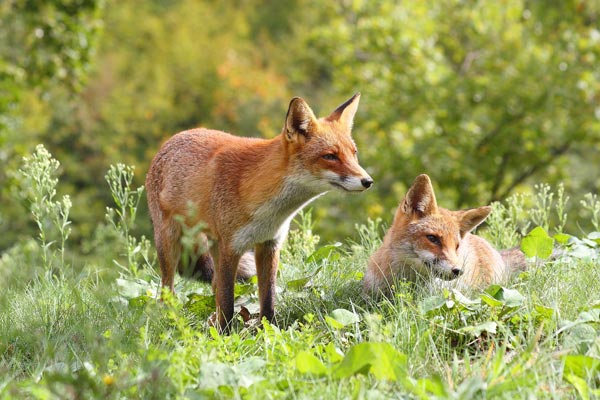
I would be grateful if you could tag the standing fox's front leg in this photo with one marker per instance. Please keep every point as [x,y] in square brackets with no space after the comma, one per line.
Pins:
[267,259]
[224,284]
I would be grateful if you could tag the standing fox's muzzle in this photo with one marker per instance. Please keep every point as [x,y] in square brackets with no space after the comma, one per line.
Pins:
[350,183]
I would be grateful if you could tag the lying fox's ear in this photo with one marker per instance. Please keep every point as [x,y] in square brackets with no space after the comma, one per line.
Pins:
[299,120]
[470,219]
[346,111]
[420,199]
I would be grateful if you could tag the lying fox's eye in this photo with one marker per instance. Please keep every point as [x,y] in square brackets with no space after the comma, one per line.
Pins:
[330,157]
[434,239]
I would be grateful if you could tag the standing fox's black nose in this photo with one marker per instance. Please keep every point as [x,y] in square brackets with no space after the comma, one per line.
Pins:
[366,182]
[457,271]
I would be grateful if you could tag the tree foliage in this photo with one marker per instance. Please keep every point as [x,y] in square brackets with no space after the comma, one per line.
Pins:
[44,45]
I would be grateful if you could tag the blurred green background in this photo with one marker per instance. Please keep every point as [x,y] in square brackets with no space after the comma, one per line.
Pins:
[488,98]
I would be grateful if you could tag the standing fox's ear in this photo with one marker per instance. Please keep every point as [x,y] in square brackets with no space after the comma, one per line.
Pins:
[420,199]
[346,111]
[470,219]
[299,120]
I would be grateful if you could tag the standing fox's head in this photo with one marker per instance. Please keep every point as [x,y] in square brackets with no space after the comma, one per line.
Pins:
[427,237]
[322,149]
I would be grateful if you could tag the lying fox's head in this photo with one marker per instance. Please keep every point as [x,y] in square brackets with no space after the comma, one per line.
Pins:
[323,148]
[428,237]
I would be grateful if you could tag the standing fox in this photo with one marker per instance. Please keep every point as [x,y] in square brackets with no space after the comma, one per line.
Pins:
[427,240]
[246,191]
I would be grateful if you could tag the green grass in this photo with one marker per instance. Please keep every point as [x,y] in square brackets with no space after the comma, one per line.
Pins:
[85,326]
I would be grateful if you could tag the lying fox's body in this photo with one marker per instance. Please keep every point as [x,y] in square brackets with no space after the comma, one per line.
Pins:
[247,191]
[427,240]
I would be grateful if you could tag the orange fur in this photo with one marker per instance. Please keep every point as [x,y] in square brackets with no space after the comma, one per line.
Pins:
[427,240]
[246,191]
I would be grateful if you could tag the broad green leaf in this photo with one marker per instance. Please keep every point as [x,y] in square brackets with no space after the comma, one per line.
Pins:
[345,317]
[242,289]
[544,312]
[433,386]
[508,297]
[333,354]
[579,338]
[595,236]
[200,304]
[139,301]
[333,322]
[512,298]
[433,303]
[562,238]
[247,371]
[380,359]
[129,288]
[580,365]
[464,301]
[477,330]
[213,375]
[579,384]
[490,301]
[326,252]
[307,363]
[537,243]
[299,284]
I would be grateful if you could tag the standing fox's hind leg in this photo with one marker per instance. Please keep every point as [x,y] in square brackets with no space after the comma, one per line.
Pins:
[168,249]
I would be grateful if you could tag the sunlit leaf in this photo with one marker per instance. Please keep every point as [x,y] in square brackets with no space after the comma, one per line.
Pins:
[508,297]
[544,312]
[333,354]
[382,360]
[327,252]
[581,366]
[433,303]
[307,363]
[201,305]
[477,330]
[579,384]
[345,317]
[562,238]
[537,243]
[299,284]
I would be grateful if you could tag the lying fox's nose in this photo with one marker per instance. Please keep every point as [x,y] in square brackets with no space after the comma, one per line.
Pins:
[457,271]
[366,182]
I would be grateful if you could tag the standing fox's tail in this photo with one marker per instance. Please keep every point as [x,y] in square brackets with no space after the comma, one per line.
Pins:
[514,259]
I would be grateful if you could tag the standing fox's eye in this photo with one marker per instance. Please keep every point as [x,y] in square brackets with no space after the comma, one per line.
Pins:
[434,239]
[331,157]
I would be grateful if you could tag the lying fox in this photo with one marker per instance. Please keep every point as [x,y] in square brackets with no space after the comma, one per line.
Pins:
[427,240]
[246,191]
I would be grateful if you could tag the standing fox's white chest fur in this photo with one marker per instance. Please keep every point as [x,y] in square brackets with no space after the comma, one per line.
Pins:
[271,221]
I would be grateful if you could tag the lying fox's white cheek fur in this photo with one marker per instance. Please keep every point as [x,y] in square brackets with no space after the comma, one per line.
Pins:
[436,265]
[425,256]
